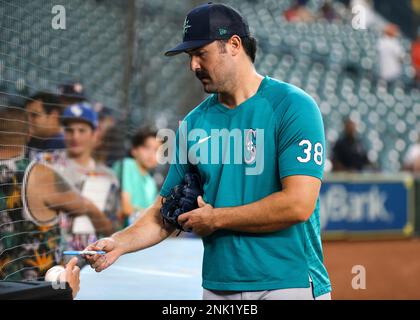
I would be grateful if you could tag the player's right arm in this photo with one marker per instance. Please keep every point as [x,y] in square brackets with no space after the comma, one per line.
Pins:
[149,229]
[143,233]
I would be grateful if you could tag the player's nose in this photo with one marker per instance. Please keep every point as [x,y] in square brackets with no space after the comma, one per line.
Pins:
[194,64]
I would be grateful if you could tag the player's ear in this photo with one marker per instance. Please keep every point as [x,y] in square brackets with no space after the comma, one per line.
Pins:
[235,44]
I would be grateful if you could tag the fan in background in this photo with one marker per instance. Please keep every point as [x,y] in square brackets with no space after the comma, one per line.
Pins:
[45,192]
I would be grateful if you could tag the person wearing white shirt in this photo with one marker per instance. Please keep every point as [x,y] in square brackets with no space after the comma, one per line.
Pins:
[391,54]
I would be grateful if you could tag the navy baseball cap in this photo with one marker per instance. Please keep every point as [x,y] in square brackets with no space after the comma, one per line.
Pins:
[207,23]
[73,90]
[80,112]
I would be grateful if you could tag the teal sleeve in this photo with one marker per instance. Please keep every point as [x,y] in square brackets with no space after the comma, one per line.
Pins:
[179,163]
[301,138]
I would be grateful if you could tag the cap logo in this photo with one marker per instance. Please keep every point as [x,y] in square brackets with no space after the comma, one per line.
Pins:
[76,110]
[186,26]
[222,31]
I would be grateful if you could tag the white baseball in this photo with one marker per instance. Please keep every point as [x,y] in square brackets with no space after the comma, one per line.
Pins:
[53,274]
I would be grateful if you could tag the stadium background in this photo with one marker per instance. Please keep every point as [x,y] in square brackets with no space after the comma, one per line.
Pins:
[115,49]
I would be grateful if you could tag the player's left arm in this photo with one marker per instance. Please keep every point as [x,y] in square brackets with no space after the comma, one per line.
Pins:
[301,156]
[280,210]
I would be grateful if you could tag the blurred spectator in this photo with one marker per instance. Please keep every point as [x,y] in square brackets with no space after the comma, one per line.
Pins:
[348,153]
[113,146]
[327,12]
[298,12]
[391,54]
[95,181]
[139,189]
[71,93]
[412,158]
[415,57]
[44,112]
[109,144]
[26,250]
[106,119]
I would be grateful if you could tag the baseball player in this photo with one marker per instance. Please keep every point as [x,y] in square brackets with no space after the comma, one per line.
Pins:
[259,213]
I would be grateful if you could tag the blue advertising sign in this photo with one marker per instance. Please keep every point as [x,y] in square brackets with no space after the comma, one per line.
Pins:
[366,206]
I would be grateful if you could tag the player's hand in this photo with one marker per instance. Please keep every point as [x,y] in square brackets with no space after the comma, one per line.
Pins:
[100,262]
[200,221]
[72,275]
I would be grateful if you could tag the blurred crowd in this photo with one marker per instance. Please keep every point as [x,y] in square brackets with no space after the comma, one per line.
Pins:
[391,54]
[79,140]
[348,153]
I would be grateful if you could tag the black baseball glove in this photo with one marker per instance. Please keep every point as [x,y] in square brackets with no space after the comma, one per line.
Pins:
[183,198]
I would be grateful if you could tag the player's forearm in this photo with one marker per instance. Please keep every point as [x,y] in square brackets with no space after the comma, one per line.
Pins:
[145,232]
[275,212]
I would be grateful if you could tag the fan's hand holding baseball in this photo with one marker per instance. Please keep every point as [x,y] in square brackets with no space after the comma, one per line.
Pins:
[72,274]
[101,262]
[201,220]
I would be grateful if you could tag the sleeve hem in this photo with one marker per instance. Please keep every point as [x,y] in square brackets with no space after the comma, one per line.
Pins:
[302,172]
[164,193]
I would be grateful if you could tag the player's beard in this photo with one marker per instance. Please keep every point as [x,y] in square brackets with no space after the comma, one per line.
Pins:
[205,80]
[218,83]
[209,88]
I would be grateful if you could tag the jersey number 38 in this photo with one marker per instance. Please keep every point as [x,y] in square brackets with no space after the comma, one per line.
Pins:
[307,150]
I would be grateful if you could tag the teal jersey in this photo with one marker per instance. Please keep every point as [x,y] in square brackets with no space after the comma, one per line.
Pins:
[242,154]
